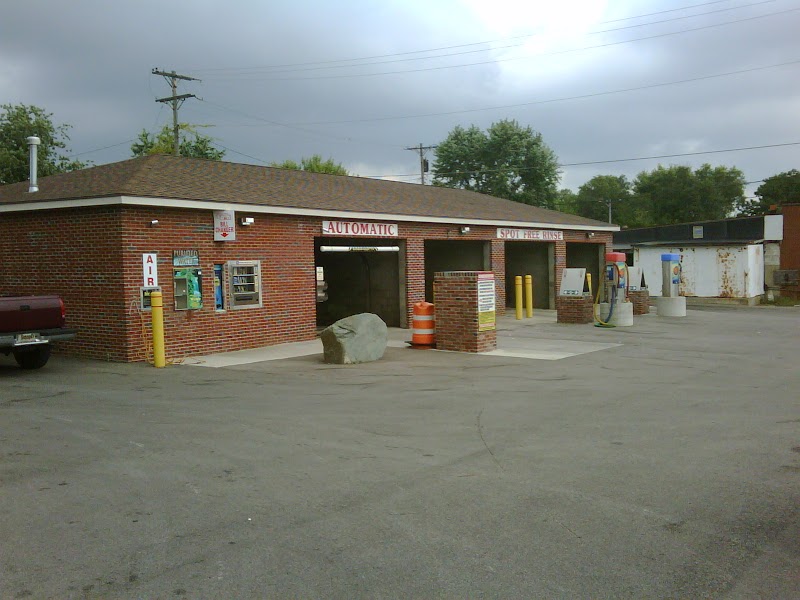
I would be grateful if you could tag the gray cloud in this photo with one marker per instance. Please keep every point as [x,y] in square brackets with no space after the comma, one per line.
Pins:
[89,63]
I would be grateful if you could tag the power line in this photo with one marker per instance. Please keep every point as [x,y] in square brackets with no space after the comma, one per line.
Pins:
[239,153]
[608,161]
[295,127]
[453,47]
[661,12]
[104,148]
[552,100]
[598,162]
[543,54]
[421,58]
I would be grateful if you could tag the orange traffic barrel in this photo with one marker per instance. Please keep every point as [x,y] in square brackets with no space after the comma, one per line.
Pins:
[423,328]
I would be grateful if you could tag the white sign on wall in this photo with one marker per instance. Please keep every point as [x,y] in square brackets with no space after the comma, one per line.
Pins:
[224,225]
[545,235]
[486,302]
[355,229]
[150,270]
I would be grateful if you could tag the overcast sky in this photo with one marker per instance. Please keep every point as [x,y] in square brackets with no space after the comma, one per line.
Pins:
[361,80]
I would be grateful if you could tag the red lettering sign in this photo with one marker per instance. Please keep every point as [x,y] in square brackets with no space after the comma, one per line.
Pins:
[356,228]
[529,234]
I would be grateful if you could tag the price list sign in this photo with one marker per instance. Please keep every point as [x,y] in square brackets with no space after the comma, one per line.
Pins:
[487,309]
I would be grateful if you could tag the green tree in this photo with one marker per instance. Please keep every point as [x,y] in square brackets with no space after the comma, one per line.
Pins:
[508,161]
[594,196]
[676,194]
[314,164]
[17,123]
[193,145]
[780,189]
[565,201]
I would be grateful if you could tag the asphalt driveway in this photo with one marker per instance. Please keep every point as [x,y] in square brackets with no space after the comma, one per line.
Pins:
[663,463]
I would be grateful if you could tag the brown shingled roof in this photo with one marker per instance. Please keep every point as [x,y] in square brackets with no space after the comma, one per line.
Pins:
[170,177]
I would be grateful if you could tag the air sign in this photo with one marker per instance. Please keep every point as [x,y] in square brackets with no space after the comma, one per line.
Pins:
[150,270]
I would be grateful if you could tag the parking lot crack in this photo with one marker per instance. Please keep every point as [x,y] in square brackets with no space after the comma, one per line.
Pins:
[480,433]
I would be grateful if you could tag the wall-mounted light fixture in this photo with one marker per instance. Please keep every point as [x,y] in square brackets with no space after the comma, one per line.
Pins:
[247,220]
[154,223]
[464,229]
[590,234]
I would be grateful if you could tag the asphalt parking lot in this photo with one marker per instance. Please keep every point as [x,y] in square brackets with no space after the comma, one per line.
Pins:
[662,461]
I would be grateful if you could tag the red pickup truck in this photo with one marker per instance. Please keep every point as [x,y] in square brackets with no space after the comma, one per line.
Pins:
[28,326]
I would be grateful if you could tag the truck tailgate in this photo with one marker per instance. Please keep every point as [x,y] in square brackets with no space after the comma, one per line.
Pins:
[30,313]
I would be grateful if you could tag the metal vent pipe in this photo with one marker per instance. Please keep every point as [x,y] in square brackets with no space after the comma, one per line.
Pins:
[33,142]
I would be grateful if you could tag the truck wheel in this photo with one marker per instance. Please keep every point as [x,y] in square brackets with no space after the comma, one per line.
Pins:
[33,358]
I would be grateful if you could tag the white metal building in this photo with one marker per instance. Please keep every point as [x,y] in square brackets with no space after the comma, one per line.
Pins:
[730,258]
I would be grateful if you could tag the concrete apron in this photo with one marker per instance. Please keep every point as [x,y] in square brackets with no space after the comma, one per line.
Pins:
[514,340]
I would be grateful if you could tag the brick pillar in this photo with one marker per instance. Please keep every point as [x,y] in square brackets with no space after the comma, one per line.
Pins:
[460,326]
[559,264]
[499,268]
[415,275]
[641,301]
[574,309]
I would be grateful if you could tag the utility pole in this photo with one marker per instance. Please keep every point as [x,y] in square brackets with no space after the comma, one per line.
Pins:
[176,101]
[423,163]
[608,203]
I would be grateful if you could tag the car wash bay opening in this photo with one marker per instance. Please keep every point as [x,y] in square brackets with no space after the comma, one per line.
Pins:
[454,255]
[540,258]
[361,275]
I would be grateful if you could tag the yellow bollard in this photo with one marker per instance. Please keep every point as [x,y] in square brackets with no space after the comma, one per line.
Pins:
[157,314]
[529,295]
[589,282]
[518,296]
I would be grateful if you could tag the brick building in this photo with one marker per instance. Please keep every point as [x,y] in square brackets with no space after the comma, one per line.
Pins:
[788,280]
[236,250]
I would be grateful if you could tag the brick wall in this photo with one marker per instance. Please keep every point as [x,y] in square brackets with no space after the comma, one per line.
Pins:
[77,254]
[574,309]
[283,245]
[457,327]
[641,301]
[415,235]
[790,246]
[92,257]
[499,268]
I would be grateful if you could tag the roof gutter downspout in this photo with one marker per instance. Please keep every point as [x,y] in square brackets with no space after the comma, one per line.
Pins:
[33,142]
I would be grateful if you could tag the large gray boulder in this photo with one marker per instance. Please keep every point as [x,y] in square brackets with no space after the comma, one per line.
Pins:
[357,339]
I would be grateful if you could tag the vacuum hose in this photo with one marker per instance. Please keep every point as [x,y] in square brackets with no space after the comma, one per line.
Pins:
[599,322]
[604,322]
